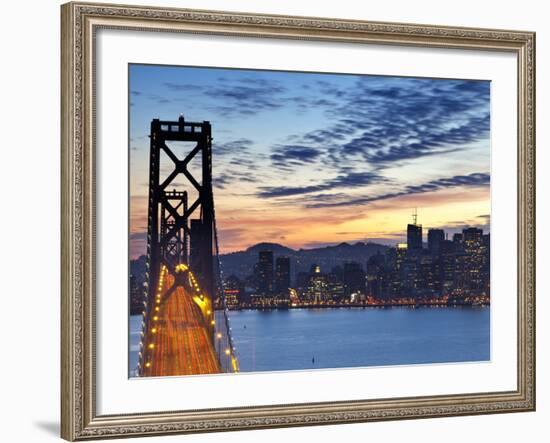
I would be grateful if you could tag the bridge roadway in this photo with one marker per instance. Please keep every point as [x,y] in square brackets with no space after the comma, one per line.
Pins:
[179,338]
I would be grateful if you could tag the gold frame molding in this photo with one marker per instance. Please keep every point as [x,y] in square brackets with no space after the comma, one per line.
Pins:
[79,22]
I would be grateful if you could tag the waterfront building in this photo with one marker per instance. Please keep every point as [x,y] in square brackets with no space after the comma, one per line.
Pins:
[473,258]
[235,293]
[376,273]
[264,271]
[435,240]
[354,278]
[414,238]
[336,287]
[318,289]
[302,280]
[282,275]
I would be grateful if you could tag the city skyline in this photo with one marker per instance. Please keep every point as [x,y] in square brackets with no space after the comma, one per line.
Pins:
[441,271]
[308,160]
[445,268]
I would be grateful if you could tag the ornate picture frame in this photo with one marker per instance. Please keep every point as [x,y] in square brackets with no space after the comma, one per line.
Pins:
[80,23]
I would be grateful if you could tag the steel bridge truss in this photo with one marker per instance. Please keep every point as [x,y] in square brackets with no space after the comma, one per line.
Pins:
[174,237]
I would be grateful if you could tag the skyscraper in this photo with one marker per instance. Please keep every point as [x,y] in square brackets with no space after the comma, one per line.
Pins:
[414,237]
[282,275]
[474,257]
[435,240]
[375,275]
[317,290]
[354,278]
[472,237]
[265,272]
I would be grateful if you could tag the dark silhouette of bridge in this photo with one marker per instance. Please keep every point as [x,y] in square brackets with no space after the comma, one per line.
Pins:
[185,328]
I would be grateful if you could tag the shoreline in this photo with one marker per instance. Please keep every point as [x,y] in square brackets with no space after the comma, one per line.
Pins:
[357,306]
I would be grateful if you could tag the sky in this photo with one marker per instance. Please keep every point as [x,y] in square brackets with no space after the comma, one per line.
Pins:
[313,159]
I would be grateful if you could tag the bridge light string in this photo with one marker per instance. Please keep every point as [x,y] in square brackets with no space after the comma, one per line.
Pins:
[154,330]
[231,350]
[147,289]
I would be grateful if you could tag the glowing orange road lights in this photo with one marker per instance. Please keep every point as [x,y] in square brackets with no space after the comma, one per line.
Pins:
[180,337]
[181,267]
[182,344]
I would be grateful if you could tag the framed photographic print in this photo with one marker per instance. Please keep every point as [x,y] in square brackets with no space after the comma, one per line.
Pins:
[282,221]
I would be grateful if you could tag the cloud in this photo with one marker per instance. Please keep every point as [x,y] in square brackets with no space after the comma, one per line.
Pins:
[244,163]
[349,180]
[246,96]
[385,121]
[403,119]
[223,180]
[178,87]
[305,103]
[337,132]
[234,147]
[472,180]
[287,157]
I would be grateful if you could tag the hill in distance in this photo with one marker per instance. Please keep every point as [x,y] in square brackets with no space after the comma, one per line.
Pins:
[241,263]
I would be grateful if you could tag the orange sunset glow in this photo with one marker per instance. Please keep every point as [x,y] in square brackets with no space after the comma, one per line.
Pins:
[307,160]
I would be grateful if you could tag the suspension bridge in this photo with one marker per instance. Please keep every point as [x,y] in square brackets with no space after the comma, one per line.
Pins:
[185,326]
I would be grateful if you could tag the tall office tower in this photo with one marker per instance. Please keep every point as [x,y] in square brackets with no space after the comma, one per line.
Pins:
[436,237]
[265,272]
[354,278]
[474,249]
[472,237]
[376,265]
[486,267]
[282,275]
[318,288]
[414,235]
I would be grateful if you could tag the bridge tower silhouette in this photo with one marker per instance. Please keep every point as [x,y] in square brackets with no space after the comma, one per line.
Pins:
[185,328]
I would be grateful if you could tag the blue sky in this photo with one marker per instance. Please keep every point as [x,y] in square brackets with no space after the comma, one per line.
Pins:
[306,159]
